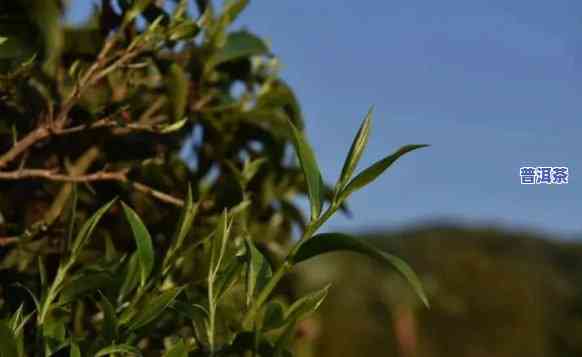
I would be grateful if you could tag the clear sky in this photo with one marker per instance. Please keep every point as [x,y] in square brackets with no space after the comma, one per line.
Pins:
[492,85]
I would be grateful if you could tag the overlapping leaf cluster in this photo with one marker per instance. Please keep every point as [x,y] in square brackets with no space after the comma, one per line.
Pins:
[115,129]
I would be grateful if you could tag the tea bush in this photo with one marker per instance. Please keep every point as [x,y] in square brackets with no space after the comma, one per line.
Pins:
[110,131]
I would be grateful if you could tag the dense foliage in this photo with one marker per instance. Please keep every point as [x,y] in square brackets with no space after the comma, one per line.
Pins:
[148,185]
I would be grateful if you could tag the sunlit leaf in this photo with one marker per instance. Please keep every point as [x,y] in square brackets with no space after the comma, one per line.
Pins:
[356,150]
[332,242]
[306,305]
[118,349]
[310,170]
[258,270]
[371,173]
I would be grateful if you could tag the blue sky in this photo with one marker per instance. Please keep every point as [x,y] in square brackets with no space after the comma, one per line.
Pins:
[491,85]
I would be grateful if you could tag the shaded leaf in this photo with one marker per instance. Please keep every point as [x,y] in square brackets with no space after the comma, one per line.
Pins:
[332,242]
[154,308]
[74,351]
[258,270]
[8,345]
[274,316]
[109,330]
[177,89]
[372,172]
[143,240]
[185,30]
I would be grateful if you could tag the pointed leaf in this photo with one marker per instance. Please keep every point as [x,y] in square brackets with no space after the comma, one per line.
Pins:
[3,39]
[131,276]
[219,244]
[88,228]
[232,8]
[258,270]
[310,170]
[109,330]
[154,308]
[143,241]
[184,225]
[177,87]
[185,30]
[274,316]
[372,172]
[356,150]
[331,242]
[306,305]
[118,349]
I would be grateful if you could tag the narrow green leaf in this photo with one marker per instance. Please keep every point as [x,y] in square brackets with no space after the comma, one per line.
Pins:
[232,8]
[310,170]
[118,349]
[228,277]
[219,244]
[178,350]
[136,9]
[42,272]
[356,150]
[306,305]
[8,346]
[154,308]
[258,270]
[143,240]
[331,242]
[184,225]
[131,277]
[109,330]
[3,39]
[88,228]
[372,172]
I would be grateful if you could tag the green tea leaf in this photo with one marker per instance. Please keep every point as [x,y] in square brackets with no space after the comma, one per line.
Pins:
[372,172]
[331,242]
[143,241]
[83,284]
[174,126]
[3,39]
[178,350]
[184,225]
[109,330]
[356,150]
[154,308]
[118,349]
[88,228]
[131,276]
[227,277]
[232,8]
[306,305]
[219,244]
[310,170]
[238,45]
[8,346]
[258,270]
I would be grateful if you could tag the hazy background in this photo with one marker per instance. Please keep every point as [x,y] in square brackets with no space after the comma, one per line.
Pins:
[492,85]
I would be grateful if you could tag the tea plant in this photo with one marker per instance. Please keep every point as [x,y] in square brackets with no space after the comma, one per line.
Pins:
[96,118]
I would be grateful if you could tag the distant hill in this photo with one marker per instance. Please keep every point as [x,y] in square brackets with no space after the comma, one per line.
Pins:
[493,293]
